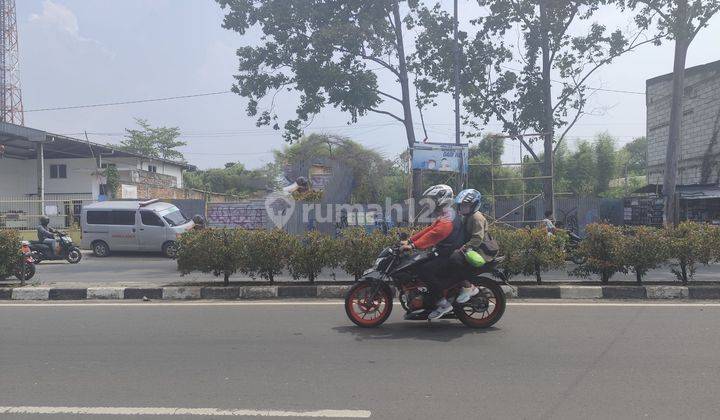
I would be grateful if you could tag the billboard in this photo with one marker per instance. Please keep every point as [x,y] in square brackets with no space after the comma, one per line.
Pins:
[440,157]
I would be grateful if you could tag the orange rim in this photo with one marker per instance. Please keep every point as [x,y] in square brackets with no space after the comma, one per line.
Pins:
[366,309]
[482,308]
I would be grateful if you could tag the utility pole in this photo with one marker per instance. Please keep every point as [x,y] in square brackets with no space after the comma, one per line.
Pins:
[11,106]
[456,94]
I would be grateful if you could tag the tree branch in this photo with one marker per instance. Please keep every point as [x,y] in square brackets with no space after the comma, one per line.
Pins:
[703,22]
[580,83]
[564,31]
[387,95]
[379,111]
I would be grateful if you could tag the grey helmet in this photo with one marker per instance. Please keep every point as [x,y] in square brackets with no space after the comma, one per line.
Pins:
[44,220]
[441,194]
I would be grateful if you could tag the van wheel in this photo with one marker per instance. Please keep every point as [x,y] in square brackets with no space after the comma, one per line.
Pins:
[170,249]
[100,249]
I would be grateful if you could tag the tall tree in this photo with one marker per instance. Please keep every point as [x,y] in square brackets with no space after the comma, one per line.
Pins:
[552,41]
[154,142]
[679,21]
[637,156]
[605,161]
[328,51]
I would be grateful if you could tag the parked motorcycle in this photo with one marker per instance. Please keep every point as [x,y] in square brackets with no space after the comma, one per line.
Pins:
[369,302]
[25,270]
[68,250]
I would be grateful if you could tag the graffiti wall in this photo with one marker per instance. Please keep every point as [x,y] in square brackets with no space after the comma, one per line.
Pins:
[246,215]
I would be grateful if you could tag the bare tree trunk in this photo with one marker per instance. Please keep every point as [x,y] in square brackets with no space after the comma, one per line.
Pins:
[548,123]
[682,42]
[405,87]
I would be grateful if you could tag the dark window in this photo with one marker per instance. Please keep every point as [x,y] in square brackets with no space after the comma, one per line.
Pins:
[105,217]
[99,217]
[108,165]
[122,217]
[150,219]
[152,168]
[58,171]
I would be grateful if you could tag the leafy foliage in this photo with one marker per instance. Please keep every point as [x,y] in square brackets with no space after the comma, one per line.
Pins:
[530,251]
[327,52]
[360,249]
[234,179]
[691,243]
[644,249]
[604,252]
[217,251]
[156,142]
[311,253]
[268,252]
[9,252]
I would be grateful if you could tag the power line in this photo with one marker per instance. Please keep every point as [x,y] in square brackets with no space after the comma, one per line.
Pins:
[130,102]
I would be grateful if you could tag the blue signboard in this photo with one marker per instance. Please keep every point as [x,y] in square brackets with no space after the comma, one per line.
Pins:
[440,157]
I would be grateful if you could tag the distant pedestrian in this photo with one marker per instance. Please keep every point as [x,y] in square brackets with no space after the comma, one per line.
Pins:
[548,223]
[199,222]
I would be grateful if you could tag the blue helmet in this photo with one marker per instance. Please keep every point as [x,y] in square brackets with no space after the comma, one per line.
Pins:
[472,197]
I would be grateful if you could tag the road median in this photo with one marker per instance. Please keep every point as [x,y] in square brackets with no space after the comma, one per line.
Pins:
[321,291]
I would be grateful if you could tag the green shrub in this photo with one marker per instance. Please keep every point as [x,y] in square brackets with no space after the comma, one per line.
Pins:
[267,252]
[691,243]
[310,253]
[360,249]
[217,251]
[644,248]
[9,252]
[530,251]
[603,251]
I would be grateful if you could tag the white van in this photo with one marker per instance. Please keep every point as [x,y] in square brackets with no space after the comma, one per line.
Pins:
[150,226]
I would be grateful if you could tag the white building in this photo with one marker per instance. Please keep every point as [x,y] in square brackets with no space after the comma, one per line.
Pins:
[70,166]
[41,171]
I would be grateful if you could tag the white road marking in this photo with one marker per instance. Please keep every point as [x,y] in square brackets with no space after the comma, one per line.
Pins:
[156,304]
[179,411]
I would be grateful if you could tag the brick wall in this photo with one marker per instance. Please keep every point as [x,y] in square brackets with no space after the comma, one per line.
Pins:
[701,108]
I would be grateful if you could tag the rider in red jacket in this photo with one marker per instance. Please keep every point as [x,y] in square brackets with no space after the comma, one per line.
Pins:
[445,233]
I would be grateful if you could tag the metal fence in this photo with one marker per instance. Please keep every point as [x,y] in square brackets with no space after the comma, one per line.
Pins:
[23,212]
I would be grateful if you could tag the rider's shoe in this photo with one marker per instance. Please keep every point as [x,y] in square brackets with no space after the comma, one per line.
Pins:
[466,293]
[443,307]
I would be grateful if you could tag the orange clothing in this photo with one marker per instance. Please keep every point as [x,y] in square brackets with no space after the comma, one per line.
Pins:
[438,230]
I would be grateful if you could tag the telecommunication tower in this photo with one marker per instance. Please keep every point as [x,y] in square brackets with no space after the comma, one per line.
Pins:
[11,107]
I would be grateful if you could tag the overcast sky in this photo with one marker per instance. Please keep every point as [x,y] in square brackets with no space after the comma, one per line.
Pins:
[77,52]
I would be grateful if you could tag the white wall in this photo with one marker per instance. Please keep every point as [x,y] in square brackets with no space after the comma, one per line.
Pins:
[17,177]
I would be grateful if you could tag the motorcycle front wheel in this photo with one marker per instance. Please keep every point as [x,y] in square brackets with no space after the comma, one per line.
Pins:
[369,303]
[484,309]
[74,256]
[29,271]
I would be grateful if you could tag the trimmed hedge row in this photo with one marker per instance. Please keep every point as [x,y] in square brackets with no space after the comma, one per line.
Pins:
[606,250]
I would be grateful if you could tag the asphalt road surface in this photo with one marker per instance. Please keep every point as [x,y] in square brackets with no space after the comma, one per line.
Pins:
[544,360]
[129,269]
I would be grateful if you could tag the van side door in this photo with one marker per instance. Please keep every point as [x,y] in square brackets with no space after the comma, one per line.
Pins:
[151,231]
[123,232]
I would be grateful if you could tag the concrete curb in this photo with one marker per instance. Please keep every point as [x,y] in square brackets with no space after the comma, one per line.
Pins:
[339,291]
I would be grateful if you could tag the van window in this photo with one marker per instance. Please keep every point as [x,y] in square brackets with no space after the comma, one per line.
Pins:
[174,216]
[108,217]
[150,219]
[99,217]
[124,217]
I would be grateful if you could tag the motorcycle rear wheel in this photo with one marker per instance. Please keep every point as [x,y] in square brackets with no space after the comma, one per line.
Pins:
[365,310]
[484,309]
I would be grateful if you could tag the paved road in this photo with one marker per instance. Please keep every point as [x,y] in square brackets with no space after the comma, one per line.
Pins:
[540,362]
[128,269]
